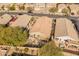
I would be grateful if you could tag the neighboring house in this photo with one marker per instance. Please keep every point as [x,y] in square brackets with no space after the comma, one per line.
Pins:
[3,6]
[21,21]
[65,30]
[39,8]
[48,6]
[41,30]
[74,8]
[4,19]
[43,7]
[61,7]
[17,7]
[6,7]
[26,5]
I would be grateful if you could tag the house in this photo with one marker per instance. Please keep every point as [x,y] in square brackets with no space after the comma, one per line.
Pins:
[4,6]
[39,7]
[74,8]
[61,7]
[49,5]
[26,5]
[41,30]
[65,30]
[4,19]
[21,21]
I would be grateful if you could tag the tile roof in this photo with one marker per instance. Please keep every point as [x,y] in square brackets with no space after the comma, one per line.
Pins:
[4,19]
[21,21]
[65,27]
[43,25]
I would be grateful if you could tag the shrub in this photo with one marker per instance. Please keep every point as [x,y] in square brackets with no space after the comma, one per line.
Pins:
[53,10]
[22,7]
[65,11]
[13,36]
[12,7]
[50,49]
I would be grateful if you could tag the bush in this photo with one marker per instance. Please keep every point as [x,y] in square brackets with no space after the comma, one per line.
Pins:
[26,50]
[65,11]
[53,10]
[12,7]
[50,49]
[13,36]
[22,7]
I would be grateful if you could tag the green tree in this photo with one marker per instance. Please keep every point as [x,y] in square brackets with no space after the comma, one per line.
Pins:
[65,11]
[50,49]
[13,36]
[12,7]
[53,9]
[22,7]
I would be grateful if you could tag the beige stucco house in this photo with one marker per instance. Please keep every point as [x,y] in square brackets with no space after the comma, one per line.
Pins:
[4,19]
[21,21]
[41,30]
[65,30]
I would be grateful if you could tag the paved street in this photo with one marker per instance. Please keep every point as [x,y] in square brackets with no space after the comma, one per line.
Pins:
[41,14]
